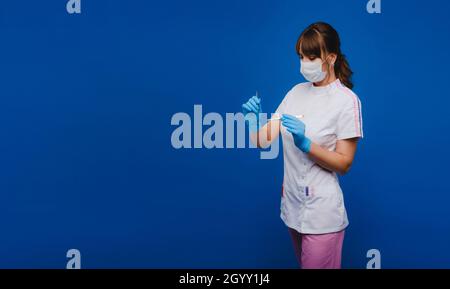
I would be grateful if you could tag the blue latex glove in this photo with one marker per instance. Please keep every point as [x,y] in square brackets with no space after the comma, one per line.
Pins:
[297,128]
[251,110]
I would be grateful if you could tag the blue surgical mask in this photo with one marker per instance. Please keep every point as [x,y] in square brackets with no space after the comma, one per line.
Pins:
[312,70]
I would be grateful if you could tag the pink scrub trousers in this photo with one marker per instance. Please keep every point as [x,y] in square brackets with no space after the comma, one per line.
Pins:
[322,251]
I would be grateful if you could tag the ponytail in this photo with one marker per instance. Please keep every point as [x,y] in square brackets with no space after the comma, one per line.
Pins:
[343,71]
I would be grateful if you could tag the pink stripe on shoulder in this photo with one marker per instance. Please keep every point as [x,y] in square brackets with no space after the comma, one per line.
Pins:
[356,111]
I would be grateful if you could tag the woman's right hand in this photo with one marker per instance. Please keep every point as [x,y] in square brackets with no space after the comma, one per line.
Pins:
[268,132]
[251,110]
[252,105]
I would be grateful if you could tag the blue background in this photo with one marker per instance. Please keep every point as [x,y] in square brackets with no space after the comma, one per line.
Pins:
[86,159]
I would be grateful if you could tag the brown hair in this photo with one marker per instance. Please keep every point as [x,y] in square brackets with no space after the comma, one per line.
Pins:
[320,39]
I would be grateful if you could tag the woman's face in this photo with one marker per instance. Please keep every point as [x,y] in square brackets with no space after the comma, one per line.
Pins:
[330,60]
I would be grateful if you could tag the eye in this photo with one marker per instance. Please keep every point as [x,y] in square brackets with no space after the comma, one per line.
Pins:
[312,57]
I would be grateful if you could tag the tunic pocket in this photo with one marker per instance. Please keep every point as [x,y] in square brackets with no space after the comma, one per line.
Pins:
[325,207]
[293,205]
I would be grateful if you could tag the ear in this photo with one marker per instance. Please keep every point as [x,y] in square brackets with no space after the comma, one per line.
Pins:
[332,57]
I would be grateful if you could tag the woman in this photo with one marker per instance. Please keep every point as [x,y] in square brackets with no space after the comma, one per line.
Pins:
[320,125]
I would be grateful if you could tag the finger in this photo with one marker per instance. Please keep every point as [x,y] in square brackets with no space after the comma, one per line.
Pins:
[286,120]
[289,123]
[295,122]
[252,106]
[253,102]
[256,99]
[291,131]
[246,107]
[291,117]
[290,120]
[288,116]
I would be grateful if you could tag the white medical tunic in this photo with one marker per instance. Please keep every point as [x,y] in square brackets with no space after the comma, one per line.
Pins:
[312,200]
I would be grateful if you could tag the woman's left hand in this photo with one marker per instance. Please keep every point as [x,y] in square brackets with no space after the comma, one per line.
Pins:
[297,128]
